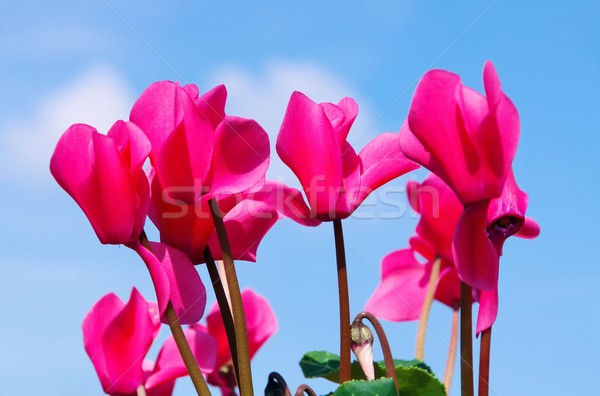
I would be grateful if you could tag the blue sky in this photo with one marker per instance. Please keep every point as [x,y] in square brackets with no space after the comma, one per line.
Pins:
[87,61]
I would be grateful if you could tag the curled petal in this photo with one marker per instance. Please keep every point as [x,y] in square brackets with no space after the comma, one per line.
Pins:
[175,280]
[474,254]
[530,229]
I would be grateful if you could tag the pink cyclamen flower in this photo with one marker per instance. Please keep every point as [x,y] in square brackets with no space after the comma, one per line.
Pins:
[198,153]
[312,142]
[261,324]
[467,139]
[103,174]
[117,337]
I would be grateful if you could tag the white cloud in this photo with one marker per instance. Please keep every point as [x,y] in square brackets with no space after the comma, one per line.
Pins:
[97,97]
[264,97]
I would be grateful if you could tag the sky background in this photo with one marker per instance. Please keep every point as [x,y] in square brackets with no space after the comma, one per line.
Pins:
[87,61]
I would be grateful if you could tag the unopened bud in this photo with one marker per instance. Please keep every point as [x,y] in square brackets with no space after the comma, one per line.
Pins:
[362,346]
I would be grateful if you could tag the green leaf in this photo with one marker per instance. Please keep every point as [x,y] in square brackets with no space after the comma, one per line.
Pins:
[317,364]
[380,387]
[414,377]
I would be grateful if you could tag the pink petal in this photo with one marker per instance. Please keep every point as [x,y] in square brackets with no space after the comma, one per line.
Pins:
[488,310]
[261,324]
[246,224]
[158,111]
[308,145]
[164,389]
[440,211]
[175,280]
[184,226]
[117,337]
[474,254]
[342,117]
[212,104]
[448,287]
[400,295]
[381,161]
[241,156]
[287,201]
[530,229]
[90,168]
[169,364]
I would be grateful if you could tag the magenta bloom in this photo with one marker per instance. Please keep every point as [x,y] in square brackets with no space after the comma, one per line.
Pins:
[467,139]
[197,153]
[312,142]
[117,337]
[261,324]
[103,174]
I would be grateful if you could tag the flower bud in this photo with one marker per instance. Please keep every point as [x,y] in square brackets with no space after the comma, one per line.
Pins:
[362,346]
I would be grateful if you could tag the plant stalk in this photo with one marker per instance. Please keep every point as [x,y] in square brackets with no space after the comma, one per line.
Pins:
[224,307]
[344,302]
[390,369]
[424,317]
[239,318]
[484,362]
[449,372]
[466,340]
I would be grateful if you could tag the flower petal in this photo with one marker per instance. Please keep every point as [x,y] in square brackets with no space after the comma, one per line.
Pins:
[90,168]
[400,295]
[241,156]
[246,224]
[488,310]
[307,144]
[169,364]
[382,160]
[117,336]
[474,254]
[175,280]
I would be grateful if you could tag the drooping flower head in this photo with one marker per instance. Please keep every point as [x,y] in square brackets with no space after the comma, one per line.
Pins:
[312,142]
[117,337]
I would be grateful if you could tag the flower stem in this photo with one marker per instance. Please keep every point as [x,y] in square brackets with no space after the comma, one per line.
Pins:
[224,306]
[182,343]
[390,369]
[344,302]
[305,389]
[429,296]
[239,318]
[141,391]
[186,353]
[484,362]
[466,340]
[448,373]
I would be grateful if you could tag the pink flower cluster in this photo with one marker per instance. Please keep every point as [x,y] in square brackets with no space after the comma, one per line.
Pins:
[180,151]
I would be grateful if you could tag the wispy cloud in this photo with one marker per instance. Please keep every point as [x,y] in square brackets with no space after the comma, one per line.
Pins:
[263,96]
[97,97]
